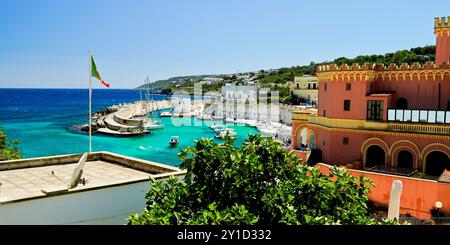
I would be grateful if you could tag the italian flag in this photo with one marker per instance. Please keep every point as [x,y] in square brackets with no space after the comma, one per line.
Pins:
[95,72]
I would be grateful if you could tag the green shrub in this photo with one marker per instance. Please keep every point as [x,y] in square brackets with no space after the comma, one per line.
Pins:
[257,183]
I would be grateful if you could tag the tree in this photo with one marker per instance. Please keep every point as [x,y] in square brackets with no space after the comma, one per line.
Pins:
[8,151]
[257,183]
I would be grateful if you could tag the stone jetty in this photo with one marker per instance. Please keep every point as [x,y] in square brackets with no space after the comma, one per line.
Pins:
[125,120]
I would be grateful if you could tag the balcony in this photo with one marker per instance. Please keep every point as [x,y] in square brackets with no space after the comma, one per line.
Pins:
[419,116]
[303,114]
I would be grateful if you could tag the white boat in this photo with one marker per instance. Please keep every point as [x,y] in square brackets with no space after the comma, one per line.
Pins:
[223,133]
[204,117]
[220,129]
[252,123]
[241,121]
[165,114]
[153,125]
[217,118]
[216,126]
[154,122]
[174,141]
[229,120]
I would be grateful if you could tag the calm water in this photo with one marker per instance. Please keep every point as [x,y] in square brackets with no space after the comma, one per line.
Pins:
[44,120]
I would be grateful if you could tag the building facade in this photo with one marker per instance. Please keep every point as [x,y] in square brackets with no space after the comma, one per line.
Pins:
[390,118]
[240,93]
[306,88]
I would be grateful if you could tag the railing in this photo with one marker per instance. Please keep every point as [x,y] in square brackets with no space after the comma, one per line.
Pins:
[441,129]
[419,128]
[419,116]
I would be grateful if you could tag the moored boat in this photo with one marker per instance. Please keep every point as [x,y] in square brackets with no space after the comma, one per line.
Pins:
[223,133]
[165,114]
[174,141]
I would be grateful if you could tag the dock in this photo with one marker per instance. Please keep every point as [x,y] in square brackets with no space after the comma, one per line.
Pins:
[125,120]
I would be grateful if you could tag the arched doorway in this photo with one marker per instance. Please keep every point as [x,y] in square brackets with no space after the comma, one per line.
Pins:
[302,139]
[375,156]
[436,162]
[312,141]
[405,160]
[402,103]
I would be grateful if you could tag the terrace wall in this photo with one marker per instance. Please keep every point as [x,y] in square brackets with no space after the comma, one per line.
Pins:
[418,195]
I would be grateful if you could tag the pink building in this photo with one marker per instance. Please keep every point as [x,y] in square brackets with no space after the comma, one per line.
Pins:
[387,119]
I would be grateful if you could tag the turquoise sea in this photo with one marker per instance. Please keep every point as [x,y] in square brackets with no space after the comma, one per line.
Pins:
[46,122]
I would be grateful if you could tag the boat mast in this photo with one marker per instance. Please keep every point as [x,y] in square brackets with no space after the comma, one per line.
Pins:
[155,104]
[145,97]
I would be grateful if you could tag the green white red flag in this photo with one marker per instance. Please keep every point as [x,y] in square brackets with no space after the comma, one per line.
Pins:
[96,74]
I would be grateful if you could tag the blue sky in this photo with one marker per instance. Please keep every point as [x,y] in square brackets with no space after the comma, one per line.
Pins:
[45,43]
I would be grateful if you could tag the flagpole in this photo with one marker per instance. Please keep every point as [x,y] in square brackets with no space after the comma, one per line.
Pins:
[90,101]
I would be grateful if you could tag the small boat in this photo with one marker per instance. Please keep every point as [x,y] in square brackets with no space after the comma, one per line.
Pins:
[174,140]
[204,117]
[220,128]
[217,118]
[217,126]
[152,124]
[165,114]
[222,134]
[241,121]
[229,120]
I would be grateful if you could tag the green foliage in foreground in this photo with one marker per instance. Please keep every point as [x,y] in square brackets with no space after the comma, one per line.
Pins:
[8,151]
[258,183]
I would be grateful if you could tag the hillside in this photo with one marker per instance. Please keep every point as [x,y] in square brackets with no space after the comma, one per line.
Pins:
[172,80]
[283,75]
[419,54]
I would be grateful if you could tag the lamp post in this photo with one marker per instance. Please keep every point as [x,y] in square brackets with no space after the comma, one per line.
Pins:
[438,206]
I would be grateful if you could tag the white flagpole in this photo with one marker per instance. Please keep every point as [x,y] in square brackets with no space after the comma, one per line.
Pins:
[90,101]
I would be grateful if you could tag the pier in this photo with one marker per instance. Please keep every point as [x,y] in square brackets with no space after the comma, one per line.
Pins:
[125,120]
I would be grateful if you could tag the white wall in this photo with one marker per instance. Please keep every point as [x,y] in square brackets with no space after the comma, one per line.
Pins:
[103,206]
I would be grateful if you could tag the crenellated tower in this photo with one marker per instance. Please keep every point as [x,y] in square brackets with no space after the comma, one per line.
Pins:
[442,31]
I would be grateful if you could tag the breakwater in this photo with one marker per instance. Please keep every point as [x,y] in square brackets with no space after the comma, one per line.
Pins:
[125,120]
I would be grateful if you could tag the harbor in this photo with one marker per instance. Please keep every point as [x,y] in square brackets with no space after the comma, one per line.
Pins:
[30,116]
[142,117]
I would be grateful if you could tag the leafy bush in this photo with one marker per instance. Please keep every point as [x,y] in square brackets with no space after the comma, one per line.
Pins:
[8,151]
[258,183]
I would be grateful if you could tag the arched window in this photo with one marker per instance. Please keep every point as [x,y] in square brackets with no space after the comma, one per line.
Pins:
[375,156]
[312,141]
[436,162]
[302,139]
[405,160]
[402,103]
